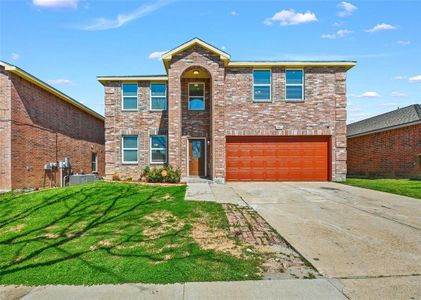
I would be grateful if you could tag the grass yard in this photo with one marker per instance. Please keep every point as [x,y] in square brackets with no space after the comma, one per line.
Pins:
[115,233]
[405,187]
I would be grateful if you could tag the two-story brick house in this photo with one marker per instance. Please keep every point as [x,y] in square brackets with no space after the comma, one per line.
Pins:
[229,120]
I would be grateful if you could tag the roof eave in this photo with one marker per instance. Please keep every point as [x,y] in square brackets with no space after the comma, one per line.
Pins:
[384,129]
[28,77]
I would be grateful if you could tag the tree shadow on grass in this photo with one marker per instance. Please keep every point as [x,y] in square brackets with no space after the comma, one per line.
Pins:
[81,218]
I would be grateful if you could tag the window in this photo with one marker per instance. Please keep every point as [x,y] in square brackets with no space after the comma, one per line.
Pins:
[130,149]
[158,146]
[294,85]
[94,162]
[158,96]
[261,85]
[197,96]
[129,96]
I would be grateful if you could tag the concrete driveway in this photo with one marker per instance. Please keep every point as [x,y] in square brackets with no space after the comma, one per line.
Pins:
[370,241]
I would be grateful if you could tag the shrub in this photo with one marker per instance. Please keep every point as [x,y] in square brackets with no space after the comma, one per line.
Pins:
[165,174]
[116,177]
[129,178]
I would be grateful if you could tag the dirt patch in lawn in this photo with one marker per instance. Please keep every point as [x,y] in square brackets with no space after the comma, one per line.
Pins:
[16,228]
[214,238]
[161,223]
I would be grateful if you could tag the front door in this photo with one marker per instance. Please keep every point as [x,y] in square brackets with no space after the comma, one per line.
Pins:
[197,159]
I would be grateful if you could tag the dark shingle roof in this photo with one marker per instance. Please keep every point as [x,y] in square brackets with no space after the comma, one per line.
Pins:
[402,116]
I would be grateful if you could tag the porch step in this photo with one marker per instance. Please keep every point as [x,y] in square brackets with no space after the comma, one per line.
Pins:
[196,180]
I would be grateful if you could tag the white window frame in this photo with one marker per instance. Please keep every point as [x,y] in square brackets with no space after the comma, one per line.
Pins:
[204,96]
[265,84]
[122,150]
[150,150]
[122,96]
[294,84]
[96,162]
[151,97]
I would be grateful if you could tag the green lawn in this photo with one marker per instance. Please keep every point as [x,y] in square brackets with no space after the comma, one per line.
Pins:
[405,187]
[113,233]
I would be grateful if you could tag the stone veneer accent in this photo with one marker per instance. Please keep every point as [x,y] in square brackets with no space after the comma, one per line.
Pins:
[229,111]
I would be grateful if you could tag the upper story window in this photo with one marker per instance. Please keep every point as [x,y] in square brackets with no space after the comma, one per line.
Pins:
[158,96]
[158,147]
[196,96]
[294,90]
[129,149]
[262,85]
[129,95]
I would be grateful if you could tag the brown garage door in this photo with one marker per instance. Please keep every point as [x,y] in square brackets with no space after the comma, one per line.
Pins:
[252,158]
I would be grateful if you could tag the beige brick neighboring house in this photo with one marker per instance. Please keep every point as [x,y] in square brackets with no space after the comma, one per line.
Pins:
[38,125]
[229,120]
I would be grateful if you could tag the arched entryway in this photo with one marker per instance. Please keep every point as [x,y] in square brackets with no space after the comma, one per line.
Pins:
[196,124]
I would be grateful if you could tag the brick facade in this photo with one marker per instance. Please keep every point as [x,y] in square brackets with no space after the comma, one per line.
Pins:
[36,128]
[390,154]
[229,111]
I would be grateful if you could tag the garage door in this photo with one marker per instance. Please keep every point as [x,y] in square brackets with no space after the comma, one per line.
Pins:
[251,158]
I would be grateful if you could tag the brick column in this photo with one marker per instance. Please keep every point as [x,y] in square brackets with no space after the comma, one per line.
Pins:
[339,138]
[174,118]
[218,125]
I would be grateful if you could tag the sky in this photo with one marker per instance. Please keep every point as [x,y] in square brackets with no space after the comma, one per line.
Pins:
[67,43]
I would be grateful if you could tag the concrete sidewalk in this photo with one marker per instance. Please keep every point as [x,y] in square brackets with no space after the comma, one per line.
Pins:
[264,289]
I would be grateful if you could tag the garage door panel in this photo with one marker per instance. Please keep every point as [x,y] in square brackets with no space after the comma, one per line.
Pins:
[277,158]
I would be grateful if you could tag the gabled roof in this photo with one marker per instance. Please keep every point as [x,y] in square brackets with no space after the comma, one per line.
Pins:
[226,58]
[38,82]
[166,57]
[406,116]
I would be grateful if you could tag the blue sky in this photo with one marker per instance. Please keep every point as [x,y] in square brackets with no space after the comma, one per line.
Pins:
[69,42]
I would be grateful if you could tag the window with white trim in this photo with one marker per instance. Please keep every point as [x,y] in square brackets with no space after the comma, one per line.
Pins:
[294,88]
[158,149]
[158,96]
[129,96]
[196,96]
[129,149]
[262,85]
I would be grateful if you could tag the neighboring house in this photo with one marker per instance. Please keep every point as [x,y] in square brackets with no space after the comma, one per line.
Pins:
[229,120]
[38,125]
[387,145]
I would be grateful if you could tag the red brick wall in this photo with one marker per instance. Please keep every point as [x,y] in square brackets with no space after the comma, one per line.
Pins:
[229,111]
[5,132]
[46,129]
[391,153]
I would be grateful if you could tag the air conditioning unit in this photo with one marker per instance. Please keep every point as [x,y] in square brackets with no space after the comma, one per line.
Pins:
[78,179]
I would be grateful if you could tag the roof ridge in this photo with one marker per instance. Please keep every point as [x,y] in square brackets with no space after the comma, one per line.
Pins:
[385,113]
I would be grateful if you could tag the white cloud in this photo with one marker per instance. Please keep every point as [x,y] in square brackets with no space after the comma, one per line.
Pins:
[399,77]
[121,20]
[157,55]
[223,48]
[404,43]
[392,104]
[56,3]
[15,56]
[234,13]
[398,94]
[338,24]
[367,95]
[381,27]
[290,17]
[346,9]
[328,36]
[339,34]
[416,78]
[60,82]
